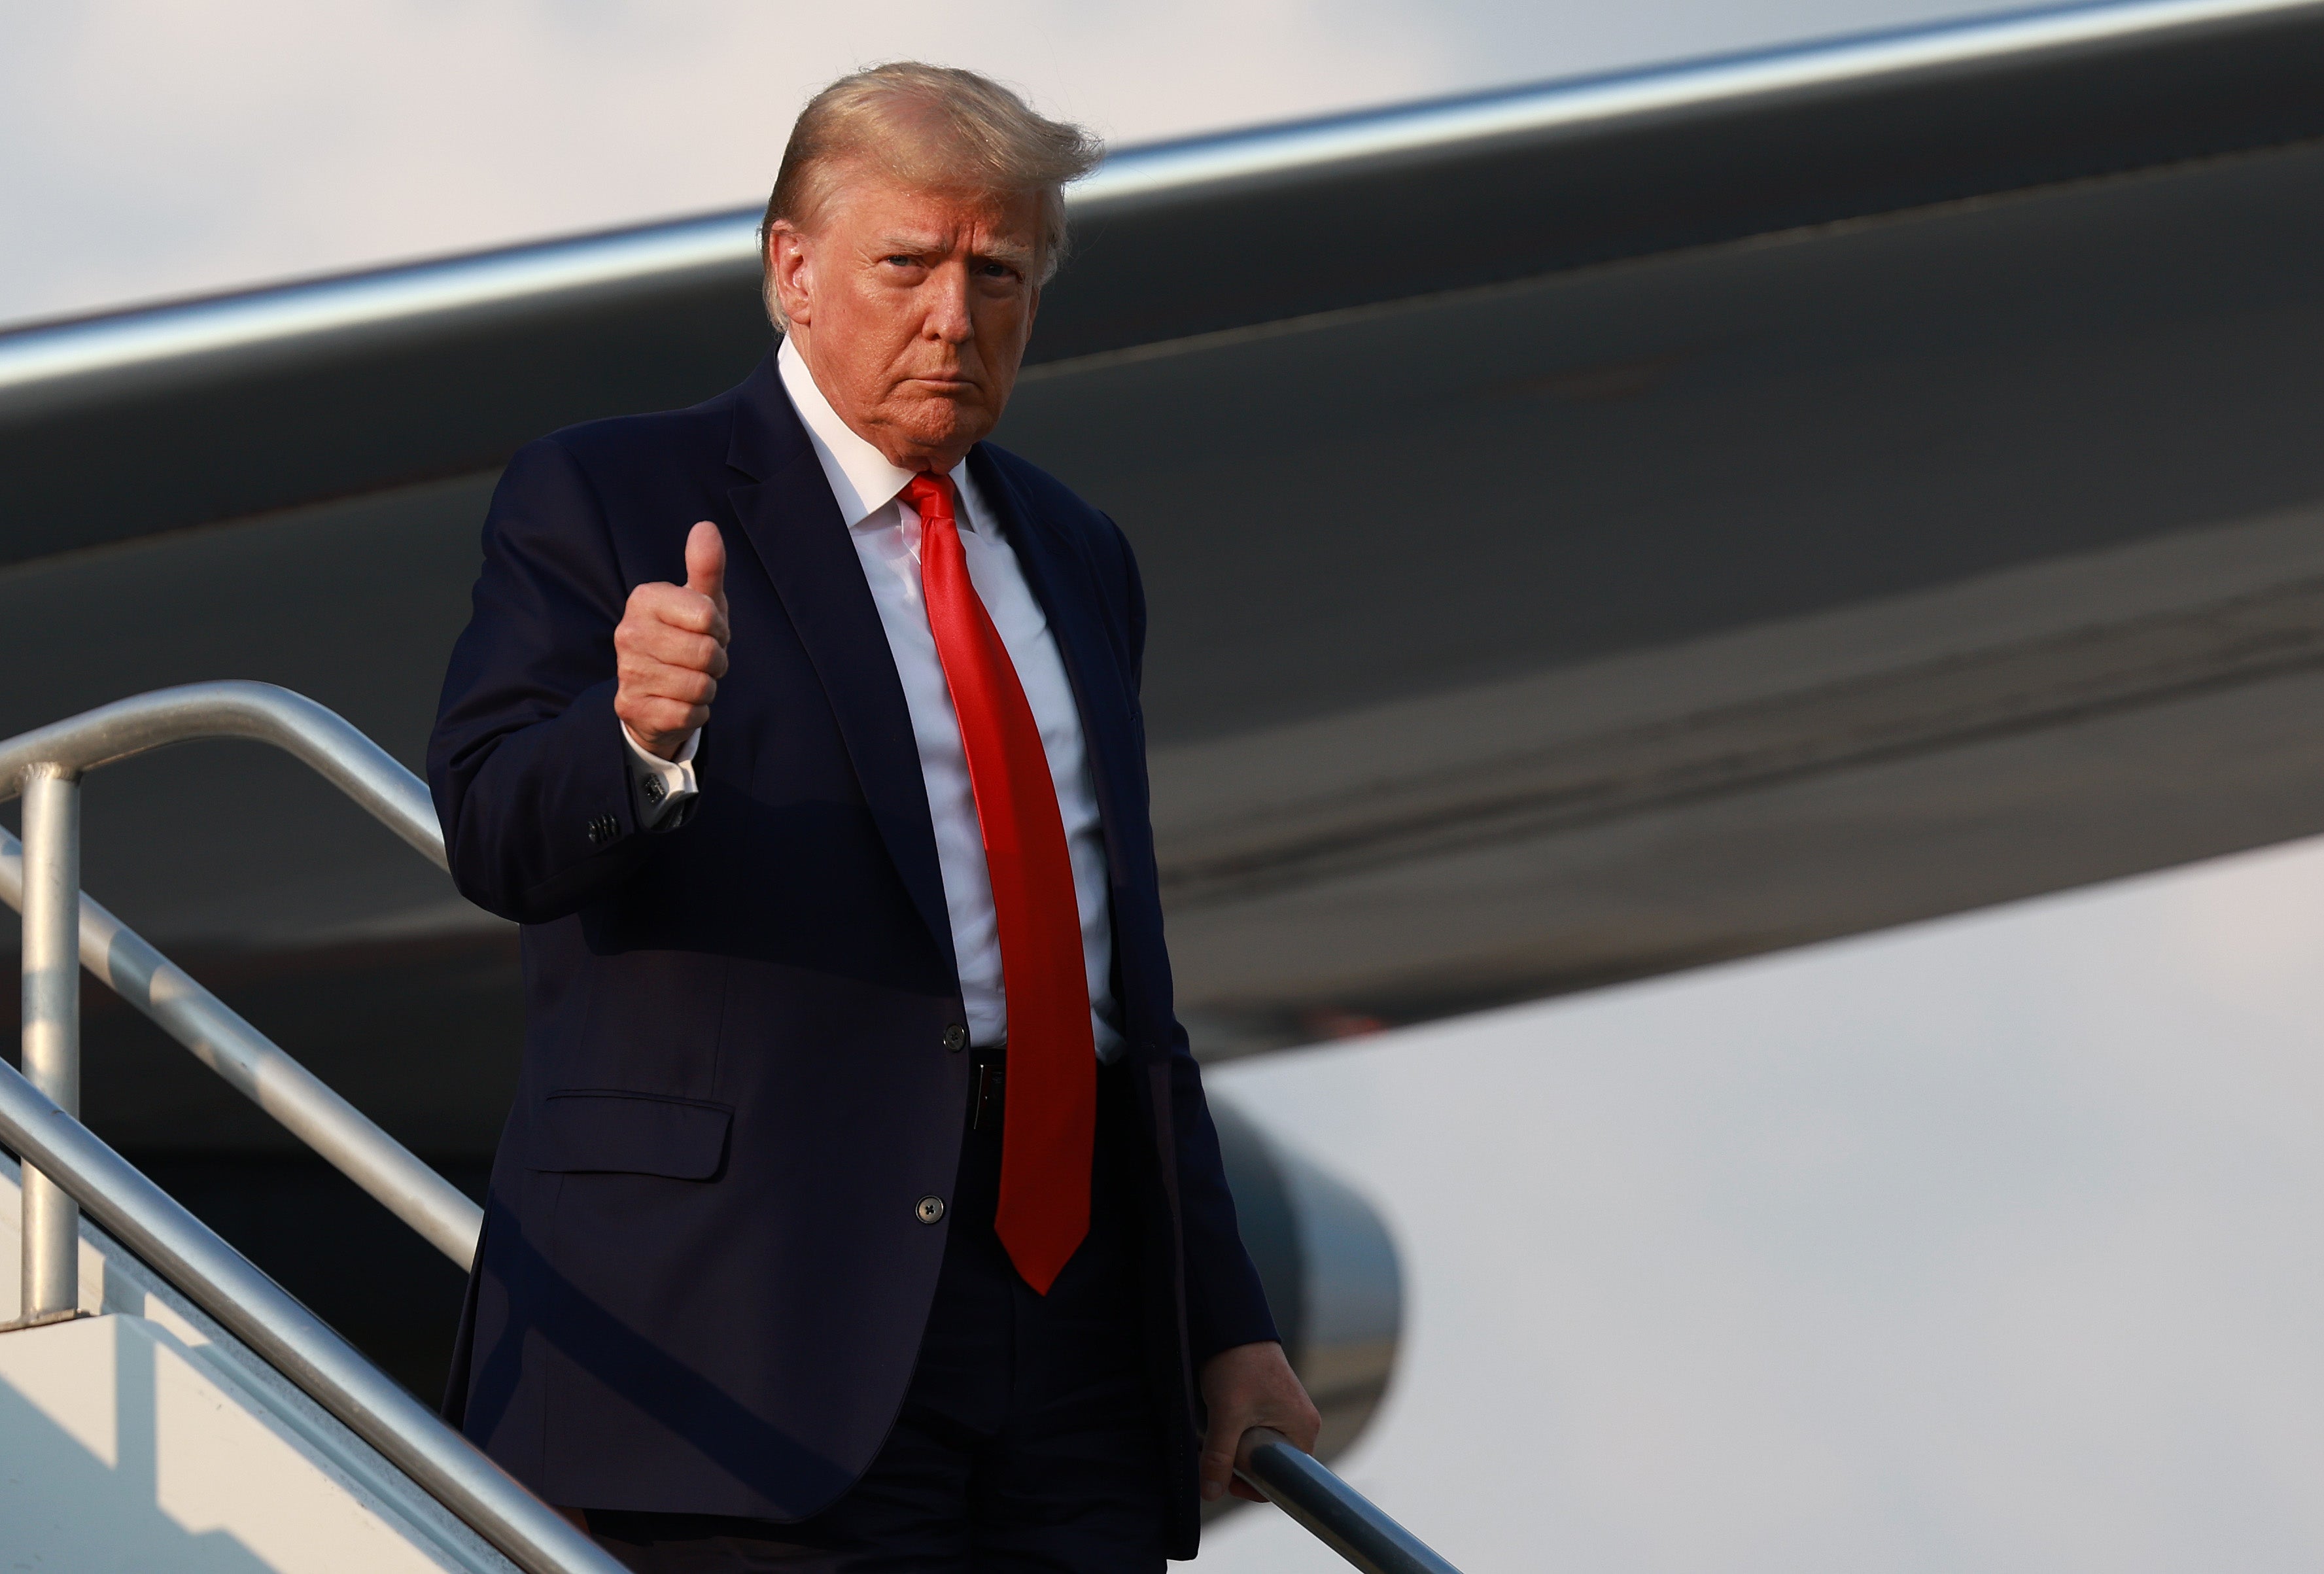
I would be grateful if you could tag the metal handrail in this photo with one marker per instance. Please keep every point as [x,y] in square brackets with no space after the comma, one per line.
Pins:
[1338,1515]
[45,766]
[291,1339]
[257,1067]
[234,709]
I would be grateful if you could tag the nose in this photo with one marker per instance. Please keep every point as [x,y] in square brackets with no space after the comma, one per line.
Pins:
[948,317]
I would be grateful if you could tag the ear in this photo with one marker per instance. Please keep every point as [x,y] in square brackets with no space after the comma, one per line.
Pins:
[789,267]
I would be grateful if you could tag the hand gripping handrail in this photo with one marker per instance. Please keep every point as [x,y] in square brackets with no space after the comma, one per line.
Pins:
[291,1339]
[1338,1515]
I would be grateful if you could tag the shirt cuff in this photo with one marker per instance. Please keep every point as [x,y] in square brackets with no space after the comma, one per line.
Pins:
[661,790]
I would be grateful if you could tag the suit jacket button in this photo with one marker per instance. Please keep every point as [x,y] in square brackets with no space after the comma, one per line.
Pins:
[955,1037]
[930,1210]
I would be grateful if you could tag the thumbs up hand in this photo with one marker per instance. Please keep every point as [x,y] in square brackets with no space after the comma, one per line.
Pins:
[669,650]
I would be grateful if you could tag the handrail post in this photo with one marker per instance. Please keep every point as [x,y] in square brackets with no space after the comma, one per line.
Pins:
[51,1218]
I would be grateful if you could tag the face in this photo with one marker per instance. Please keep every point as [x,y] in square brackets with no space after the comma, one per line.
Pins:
[912,308]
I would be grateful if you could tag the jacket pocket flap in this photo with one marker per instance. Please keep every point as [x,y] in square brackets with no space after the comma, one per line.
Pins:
[631,1133]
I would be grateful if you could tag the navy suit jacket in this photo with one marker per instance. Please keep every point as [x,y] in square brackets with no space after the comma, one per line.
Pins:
[703,1279]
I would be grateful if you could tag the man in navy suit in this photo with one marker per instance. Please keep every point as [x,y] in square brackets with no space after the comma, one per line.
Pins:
[860,1208]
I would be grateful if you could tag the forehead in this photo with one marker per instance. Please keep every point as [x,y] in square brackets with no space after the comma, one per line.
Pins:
[866,201]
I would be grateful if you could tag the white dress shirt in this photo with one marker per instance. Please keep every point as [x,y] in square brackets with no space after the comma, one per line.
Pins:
[885,531]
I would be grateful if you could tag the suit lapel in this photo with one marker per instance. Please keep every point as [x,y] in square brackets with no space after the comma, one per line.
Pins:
[794,525]
[1061,581]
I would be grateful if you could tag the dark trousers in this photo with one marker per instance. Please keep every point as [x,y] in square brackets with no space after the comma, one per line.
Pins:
[1026,1440]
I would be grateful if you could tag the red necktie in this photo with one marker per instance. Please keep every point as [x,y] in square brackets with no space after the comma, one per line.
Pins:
[1049,1110]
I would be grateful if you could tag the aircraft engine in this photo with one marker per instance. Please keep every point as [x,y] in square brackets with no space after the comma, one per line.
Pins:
[1329,1268]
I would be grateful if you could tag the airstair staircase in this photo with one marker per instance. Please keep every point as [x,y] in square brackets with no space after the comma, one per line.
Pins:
[164,1405]
[141,1435]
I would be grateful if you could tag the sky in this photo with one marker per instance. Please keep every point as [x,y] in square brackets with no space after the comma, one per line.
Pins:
[151,148]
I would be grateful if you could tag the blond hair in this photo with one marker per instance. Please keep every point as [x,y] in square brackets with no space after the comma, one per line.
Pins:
[936,126]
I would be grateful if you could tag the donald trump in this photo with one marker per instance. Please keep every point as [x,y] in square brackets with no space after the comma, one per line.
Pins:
[860,1208]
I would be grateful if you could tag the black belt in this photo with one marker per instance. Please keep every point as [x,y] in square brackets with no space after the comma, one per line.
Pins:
[987,1086]
[988,1075]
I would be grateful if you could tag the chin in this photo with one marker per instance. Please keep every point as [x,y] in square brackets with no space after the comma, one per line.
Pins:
[947,429]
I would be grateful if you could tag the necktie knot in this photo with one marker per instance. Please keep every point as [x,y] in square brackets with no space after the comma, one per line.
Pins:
[931,494]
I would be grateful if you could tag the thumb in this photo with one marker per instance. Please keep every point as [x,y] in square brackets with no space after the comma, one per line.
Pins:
[705,563]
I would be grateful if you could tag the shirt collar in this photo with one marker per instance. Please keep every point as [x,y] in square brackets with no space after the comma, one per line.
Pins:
[861,480]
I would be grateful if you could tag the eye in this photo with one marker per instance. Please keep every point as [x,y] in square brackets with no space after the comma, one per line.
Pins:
[902,260]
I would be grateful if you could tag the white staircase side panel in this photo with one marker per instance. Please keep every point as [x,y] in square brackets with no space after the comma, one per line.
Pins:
[145,1437]
[120,1450]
